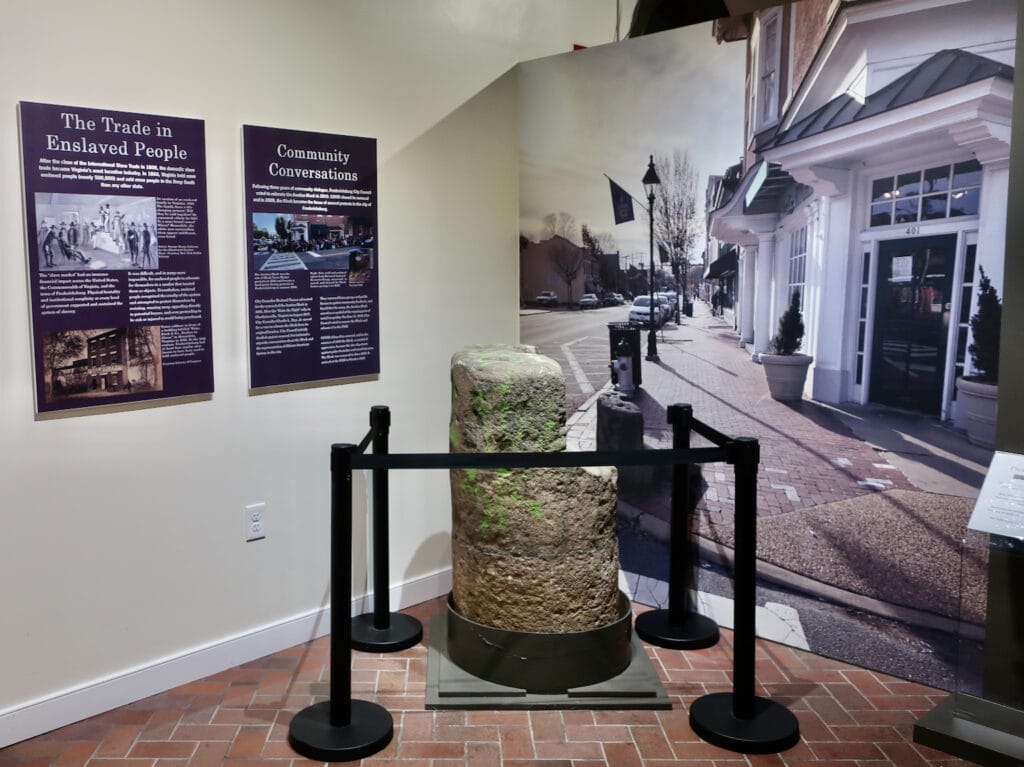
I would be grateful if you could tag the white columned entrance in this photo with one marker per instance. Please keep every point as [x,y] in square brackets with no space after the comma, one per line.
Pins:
[747,295]
[764,274]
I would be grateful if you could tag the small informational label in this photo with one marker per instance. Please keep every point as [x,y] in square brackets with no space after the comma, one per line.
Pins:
[1000,506]
[902,268]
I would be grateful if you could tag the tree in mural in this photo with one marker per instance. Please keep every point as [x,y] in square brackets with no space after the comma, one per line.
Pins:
[678,220]
[281,227]
[567,258]
[598,244]
[60,347]
[560,224]
[142,345]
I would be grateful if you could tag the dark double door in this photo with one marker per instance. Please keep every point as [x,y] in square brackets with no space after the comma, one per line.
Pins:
[911,328]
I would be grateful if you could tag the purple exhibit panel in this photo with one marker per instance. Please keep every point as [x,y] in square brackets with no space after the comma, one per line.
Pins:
[118,255]
[311,240]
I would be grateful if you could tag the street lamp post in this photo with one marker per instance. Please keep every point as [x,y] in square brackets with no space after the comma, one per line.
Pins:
[651,183]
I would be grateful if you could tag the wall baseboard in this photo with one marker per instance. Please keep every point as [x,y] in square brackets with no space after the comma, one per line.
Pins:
[75,704]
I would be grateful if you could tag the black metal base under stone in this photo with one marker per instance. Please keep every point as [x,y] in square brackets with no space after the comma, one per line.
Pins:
[369,730]
[450,687]
[403,631]
[974,728]
[772,728]
[695,633]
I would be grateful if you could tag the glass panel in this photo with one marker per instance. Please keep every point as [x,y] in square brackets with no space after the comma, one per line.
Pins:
[906,211]
[881,189]
[864,278]
[864,301]
[965,202]
[933,206]
[860,336]
[967,173]
[936,179]
[972,250]
[961,343]
[860,368]
[881,214]
[908,184]
[965,304]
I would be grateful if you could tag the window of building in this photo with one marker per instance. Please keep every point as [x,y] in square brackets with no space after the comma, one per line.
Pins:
[945,191]
[862,317]
[764,87]
[964,320]
[798,268]
[797,261]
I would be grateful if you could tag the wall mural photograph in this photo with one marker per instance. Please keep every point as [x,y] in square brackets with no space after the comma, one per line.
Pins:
[849,159]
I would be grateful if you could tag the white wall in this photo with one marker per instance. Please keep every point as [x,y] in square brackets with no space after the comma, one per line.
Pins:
[122,534]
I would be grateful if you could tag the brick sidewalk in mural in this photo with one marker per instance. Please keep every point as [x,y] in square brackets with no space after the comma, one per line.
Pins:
[808,456]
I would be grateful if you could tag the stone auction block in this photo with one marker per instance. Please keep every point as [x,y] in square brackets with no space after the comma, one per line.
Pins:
[506,399]
[532,549]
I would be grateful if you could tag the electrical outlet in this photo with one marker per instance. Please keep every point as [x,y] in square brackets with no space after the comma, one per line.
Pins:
[254,522]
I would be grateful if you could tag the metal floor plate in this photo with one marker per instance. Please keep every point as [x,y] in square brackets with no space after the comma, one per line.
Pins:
[448,686]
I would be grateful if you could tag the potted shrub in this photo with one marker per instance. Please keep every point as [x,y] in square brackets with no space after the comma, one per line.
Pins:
[979,392]
[784,368]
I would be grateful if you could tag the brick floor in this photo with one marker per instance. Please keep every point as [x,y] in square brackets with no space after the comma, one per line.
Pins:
[848,716]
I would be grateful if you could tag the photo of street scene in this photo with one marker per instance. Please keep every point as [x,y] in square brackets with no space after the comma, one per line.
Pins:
[92,231]
[102,363]
[284,242]
[835,156]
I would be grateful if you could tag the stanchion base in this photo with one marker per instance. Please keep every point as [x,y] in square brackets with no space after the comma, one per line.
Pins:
[403,631]
[369,730]
[696,632]
[772,729]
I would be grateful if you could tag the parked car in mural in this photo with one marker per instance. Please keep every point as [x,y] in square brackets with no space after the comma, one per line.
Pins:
[612,299]
[546,298]
[589,301]
[670,304]
[641,310]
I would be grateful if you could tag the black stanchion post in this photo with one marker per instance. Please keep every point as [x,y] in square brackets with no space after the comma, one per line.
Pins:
[341,729]
[679,627]
[739,720]
[382,630]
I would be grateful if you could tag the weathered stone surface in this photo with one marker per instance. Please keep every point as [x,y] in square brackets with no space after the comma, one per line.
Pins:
[506,399]
[620,426]
[532,550]
[566,592]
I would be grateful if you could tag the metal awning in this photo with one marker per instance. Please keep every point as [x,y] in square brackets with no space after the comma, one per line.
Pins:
[724,266]
[945,71]
[769,183]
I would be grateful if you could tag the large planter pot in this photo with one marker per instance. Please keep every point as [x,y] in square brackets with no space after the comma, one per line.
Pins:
[979,401]
[786,374]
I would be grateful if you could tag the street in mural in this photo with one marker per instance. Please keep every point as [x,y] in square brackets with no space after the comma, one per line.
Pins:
[854,155]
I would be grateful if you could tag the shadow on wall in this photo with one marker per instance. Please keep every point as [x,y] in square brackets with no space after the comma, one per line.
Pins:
[432,556]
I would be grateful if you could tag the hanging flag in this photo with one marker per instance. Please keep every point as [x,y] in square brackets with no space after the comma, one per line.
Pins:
[622,204]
